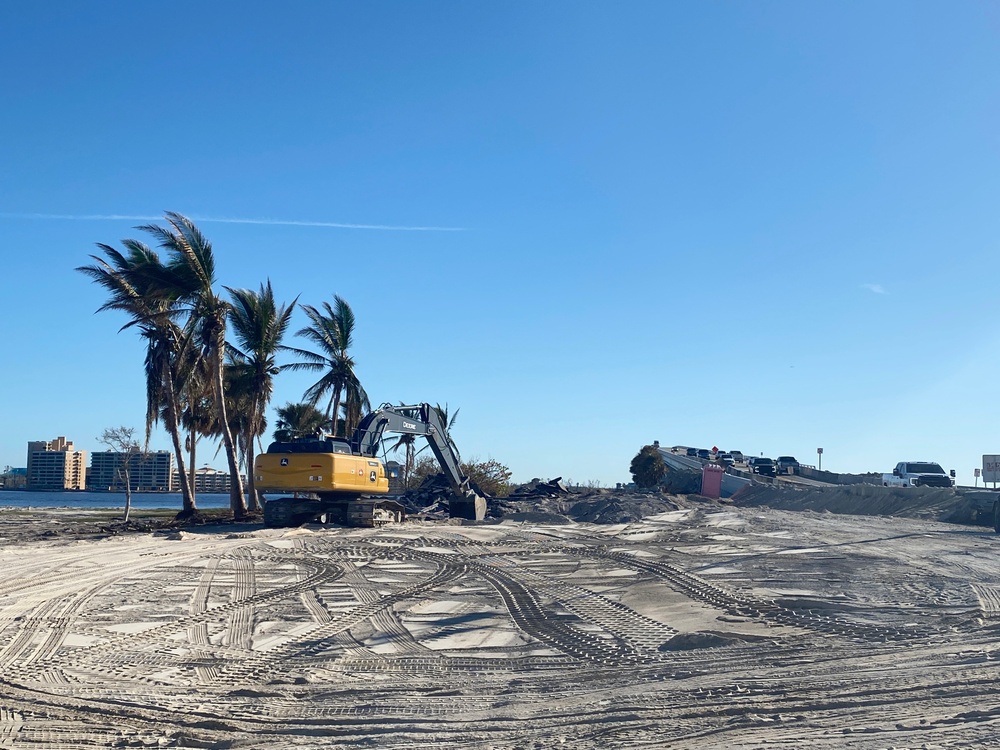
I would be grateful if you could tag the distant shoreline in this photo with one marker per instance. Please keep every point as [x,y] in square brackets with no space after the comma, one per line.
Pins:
[104,492]
[107,499]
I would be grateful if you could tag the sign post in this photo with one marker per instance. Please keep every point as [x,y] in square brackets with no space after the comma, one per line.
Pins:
[819,452]
[991,470]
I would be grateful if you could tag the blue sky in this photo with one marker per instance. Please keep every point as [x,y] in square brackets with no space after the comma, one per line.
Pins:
[763,226]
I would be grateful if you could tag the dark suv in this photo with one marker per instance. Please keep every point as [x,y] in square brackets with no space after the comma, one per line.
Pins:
[763,466]
[786,465]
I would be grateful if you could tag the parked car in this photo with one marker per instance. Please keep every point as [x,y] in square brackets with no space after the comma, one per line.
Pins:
[786,465]
[763,466]
[737,456]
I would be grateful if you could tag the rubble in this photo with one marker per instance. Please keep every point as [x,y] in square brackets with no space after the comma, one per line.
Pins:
[548,501]
[537,488]
[432,499]
[552,501]
[586,505]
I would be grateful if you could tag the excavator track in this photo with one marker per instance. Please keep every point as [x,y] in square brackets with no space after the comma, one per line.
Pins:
[365,512]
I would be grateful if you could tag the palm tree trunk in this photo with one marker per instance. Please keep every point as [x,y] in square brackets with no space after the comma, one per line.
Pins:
[331,420]
[253,500]
[336,413]
[128,491]
[237,502]
[187,497]
[193,442]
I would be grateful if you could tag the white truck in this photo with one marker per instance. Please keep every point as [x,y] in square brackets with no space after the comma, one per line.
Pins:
[917,474]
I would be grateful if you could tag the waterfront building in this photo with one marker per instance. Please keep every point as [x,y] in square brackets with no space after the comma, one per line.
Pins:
[56,465]
[207,479]
[15,479]
[148,472]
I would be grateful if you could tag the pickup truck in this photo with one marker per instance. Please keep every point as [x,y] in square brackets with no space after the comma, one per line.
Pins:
[786,465]
[762,466]
[917,474]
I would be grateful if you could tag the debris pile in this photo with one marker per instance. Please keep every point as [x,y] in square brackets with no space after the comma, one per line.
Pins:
[432,499]
[553,502]
[624,507]
[537,489]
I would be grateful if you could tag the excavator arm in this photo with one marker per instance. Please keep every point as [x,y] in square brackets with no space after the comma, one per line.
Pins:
[424,420]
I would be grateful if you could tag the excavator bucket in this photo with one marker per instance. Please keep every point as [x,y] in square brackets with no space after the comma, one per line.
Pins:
[471,506]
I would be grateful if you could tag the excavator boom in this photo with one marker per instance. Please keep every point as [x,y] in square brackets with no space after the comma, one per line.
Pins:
[422,419]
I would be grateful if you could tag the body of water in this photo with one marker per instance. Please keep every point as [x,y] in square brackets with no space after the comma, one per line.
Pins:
[140,500]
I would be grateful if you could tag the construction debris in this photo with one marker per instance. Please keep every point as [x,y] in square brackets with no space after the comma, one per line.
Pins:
[537,488]
[432,499]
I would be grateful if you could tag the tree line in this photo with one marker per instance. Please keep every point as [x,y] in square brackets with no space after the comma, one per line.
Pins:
[199,383]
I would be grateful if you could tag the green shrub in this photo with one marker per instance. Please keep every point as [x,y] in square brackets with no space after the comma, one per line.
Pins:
[648,468]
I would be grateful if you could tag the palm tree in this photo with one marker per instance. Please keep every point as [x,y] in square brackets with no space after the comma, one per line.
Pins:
[448,422]
[331,331]
[125,277]
[406,442]
[259,324]
[295,420]
[356,405]
[187,281]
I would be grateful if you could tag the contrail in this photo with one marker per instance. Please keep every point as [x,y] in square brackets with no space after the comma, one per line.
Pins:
[210,219]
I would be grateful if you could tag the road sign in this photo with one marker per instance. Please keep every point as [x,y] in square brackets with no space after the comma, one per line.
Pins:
[819,451]
[991,468]
[977,472]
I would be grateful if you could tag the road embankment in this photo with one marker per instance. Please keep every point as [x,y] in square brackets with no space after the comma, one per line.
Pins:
[928,503]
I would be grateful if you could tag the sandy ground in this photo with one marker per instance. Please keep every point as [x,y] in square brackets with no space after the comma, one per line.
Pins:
[703,627]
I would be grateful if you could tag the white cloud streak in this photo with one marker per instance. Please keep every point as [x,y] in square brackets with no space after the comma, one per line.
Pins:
[876,288]
[220,220]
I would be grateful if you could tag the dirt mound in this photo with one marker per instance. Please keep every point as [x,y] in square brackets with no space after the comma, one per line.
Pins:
[589,506]
[929,503]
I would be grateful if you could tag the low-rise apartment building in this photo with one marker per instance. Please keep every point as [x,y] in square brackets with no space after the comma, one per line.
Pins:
[207,479]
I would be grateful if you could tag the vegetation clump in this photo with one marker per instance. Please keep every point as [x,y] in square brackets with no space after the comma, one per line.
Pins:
[491,476]
[648,468]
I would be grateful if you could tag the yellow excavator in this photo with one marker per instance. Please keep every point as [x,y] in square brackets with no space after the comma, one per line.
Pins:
[343,481]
